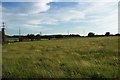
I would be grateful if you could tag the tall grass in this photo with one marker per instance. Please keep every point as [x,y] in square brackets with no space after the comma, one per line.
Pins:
[63,58]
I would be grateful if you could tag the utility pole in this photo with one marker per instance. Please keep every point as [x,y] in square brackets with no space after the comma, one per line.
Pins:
[20,39]
[40,35]
[68,32]
[3,33]
[19,34]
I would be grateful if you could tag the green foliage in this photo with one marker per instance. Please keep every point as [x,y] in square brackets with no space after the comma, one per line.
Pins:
[107,33]
[64,58]
[91,34]
[31,36]
[38,36]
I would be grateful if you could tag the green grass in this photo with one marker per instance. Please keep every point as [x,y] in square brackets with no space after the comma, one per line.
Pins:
[12,40]
[63,58]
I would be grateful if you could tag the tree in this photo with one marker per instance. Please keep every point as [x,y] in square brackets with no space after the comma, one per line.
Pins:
[117,34]
[31,36]
[20,39]
[91,34]
[59,36]
[38,36]
[107,33]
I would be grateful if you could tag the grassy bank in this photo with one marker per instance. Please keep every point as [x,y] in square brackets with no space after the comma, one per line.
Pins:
[63,58]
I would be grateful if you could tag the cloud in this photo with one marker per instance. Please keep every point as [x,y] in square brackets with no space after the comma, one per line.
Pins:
[99,7]
[71,15]
[37,28]
[96,16]
[103,23]
[100,17]
[41,21]
[0,7]
[61,0]
[110,22]
[0,13]
[29,8]
[40,6]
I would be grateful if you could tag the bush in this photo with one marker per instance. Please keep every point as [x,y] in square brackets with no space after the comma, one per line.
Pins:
[107,33]
[90,34]
[31,36]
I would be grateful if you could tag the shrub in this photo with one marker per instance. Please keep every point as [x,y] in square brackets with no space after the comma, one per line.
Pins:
[107,33]
[90,34]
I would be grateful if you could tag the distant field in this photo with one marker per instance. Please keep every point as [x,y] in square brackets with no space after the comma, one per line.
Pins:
[62,58]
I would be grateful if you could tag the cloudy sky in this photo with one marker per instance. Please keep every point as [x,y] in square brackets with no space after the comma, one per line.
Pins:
[59,17]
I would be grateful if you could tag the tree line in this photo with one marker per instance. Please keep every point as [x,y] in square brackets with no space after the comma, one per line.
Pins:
[91,34]
[33,37]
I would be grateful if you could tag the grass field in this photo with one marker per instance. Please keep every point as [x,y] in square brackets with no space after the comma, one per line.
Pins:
[62,58]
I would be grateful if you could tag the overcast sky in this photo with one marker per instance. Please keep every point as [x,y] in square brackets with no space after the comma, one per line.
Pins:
[55,17]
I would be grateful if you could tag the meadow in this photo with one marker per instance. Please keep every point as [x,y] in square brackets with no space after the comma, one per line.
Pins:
[95,57]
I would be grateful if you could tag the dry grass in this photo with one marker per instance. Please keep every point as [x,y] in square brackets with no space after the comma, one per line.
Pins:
[64,58]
